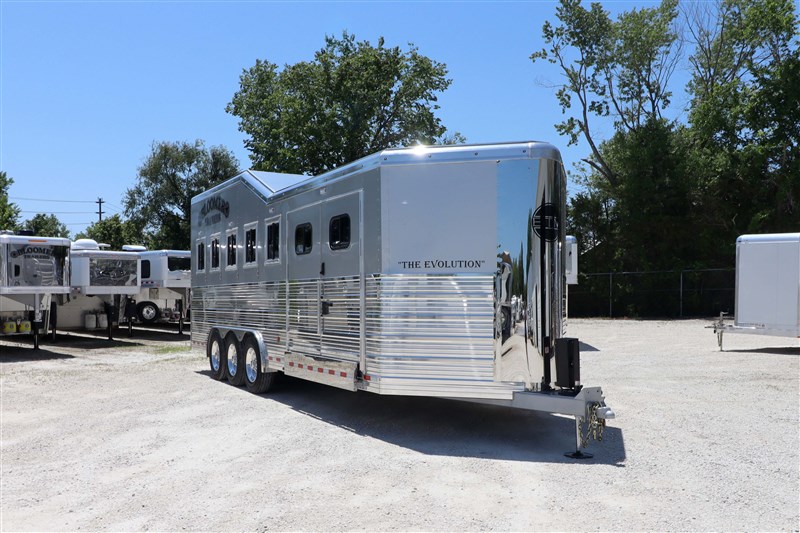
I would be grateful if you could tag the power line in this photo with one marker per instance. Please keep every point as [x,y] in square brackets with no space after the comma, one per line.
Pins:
[61,212]
[46,200]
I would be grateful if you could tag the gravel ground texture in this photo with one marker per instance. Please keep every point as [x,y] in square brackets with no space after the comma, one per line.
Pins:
[134,435]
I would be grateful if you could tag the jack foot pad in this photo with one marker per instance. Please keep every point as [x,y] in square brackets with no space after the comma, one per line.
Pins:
[577,454]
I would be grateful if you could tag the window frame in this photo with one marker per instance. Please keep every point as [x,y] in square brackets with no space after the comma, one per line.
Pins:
[216,238]
[339,246]
[251,226]
[201,257]
[146,268]
[267,223]
[306,250]
[233,232]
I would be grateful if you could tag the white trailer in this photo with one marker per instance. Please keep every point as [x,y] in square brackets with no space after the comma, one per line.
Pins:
[767,287]
[397,274]
[571,271]
[572,260]
[166,285]
[101,283]
[32,270]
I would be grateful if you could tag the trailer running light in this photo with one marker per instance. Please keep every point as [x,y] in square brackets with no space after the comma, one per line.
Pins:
[311,368]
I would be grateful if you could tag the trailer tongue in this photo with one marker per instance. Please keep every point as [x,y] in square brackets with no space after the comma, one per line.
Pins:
[429,271]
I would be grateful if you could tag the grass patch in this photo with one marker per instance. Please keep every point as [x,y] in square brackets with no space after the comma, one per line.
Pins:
[172,349]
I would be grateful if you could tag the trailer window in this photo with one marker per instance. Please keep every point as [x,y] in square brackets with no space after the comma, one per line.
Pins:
[231,250]
[302,239]
[145,268]
[273,241]
[250,245]
[339,232]
[201,256]
[177,263]
[215,252]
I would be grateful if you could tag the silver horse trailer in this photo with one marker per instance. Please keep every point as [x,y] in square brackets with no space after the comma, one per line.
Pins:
[32,270]
[396,274]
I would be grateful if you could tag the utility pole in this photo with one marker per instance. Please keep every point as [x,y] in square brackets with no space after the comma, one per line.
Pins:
[99,209]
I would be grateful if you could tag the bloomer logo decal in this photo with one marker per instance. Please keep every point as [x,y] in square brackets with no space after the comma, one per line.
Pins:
[430,264]
[215,203]
[37,252]
[547,214]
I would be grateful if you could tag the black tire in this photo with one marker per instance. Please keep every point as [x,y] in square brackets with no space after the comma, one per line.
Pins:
[255,379]
[234,363]
[148,312]
[215,350]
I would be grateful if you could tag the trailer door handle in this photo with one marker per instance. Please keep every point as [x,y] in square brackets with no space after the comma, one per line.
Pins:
[322,269]
[326,307]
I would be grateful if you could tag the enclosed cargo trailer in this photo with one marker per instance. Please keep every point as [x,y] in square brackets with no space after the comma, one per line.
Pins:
[767,287]
[32,270]
[427,271]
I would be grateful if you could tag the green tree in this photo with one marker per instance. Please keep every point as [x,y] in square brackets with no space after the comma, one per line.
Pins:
[9,212]
[352,100]
[619,69]
[745,114]
[112,231]
[45,226]
[159,205]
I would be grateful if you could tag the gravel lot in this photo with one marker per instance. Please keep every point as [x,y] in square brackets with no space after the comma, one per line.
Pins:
[134,435]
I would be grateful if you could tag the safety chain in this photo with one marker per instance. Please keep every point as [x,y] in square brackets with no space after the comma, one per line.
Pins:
[594,427]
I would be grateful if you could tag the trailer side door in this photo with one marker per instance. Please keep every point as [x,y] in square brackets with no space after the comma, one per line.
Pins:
[342,275]
[303,272]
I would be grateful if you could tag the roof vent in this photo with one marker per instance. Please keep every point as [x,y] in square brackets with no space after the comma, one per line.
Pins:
[85,244]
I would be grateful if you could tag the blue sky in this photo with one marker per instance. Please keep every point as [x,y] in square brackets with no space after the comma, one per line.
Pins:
[87,87]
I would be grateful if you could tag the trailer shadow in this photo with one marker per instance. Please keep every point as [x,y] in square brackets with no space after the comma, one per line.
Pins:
[775,350]
[447,427]
[120,337]
[20,354]
[157,334]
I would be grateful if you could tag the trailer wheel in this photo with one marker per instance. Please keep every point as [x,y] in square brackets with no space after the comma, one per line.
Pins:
[148,312]
[234,365]
[214,350]
[255,379]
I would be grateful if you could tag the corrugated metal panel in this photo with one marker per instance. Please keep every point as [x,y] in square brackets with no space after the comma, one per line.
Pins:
[425,335]
[432,336]
[260,306]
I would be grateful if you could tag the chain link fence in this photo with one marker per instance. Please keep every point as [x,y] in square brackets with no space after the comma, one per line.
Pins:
[657,294]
